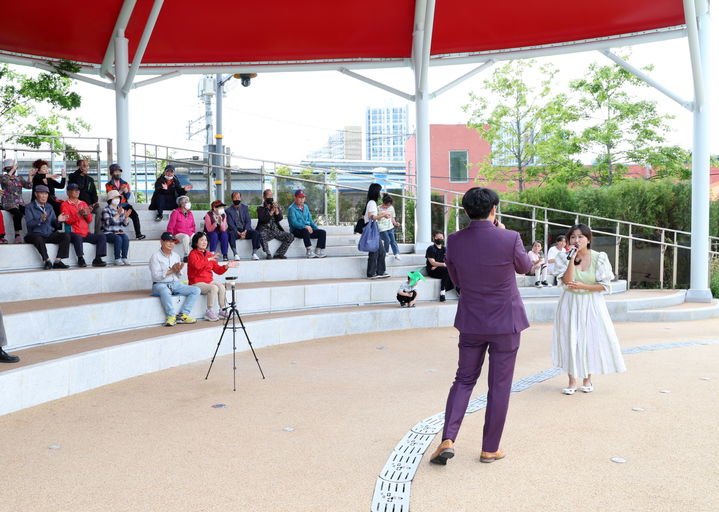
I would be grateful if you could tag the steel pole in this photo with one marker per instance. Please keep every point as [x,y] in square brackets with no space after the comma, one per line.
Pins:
[122,104]
[220,162]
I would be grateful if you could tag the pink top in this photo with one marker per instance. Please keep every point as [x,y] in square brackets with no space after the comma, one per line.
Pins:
[211,225]
[181,223]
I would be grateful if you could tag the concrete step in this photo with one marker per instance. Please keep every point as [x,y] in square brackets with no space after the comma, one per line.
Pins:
[676,313]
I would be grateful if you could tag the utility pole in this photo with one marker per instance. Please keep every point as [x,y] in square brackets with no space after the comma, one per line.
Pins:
[220,158]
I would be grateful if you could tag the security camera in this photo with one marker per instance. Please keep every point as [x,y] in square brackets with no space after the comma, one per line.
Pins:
[245,78]
[246,81]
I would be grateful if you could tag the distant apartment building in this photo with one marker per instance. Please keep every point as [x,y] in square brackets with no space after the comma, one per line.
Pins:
[387,129]
[343,144]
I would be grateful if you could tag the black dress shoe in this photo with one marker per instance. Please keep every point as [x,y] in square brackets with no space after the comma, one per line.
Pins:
[97,262]
[81,262]
[269,256]
[283,257]
[158,217]
[7,358]
[442,298]
[59,264]
[140,237]
[47,265]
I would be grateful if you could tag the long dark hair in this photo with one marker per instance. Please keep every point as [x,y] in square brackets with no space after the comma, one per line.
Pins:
[372,194]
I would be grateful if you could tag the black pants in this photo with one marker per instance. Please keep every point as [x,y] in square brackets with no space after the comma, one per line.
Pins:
[135,218]
[251,234]
[164,202]
[403,299]
[57,237]
[319,234]
[375,262]
[17,214]
[91,238]
[443,274]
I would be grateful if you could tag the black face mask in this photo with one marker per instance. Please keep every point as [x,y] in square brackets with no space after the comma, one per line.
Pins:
[439,241]
[116,176]
[236,202]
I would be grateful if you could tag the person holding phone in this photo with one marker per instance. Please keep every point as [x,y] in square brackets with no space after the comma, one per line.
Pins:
[43,177]
[269,216]
[166,271]
[11,198]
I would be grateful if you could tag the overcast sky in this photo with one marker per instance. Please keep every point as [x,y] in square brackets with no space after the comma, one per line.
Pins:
[284,116]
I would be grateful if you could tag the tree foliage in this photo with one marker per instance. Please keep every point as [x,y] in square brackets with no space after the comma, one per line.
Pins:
[21,95]
[526,126]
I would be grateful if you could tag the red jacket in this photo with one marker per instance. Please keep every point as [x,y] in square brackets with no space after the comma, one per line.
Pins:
[80,225]
[200,267]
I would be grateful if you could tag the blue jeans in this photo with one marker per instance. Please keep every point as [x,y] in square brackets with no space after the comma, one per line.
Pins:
[387,237]
[120,242]
[166,290]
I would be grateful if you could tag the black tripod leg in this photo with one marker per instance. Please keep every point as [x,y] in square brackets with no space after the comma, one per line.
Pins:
[250,343]
[218,347]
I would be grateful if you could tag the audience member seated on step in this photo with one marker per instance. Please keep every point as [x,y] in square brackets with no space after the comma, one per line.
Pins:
[201,264]
[11,195]
[269,216]
[557,250]
[11,199]
[4,356]
[435,265]
[79,218]
[42,226]
[114,221]
[166,271]
[88,191]
[123,187]
[302,226]
[239,226]
[167,190]
[182,224]
[216,228]
[539,267]
[43,177]
[406,294]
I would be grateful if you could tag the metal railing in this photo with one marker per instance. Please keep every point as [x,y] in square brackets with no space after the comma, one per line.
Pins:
[329,185]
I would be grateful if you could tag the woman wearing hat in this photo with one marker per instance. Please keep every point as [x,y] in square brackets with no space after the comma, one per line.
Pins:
[216,228]
[114,221]
[182,223]
[167,191]
[11,197]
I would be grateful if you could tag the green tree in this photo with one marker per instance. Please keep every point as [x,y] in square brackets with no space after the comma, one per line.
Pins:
[622,129]
[525,126]
[20,96]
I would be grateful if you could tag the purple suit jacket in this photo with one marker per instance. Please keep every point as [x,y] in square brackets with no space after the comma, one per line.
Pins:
[483,260]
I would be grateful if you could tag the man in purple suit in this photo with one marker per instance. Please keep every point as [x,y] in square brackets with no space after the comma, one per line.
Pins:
[483,260]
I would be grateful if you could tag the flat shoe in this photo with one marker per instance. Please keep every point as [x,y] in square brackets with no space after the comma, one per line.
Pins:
[569,391]
[443,453]
[586,389]
[488,457]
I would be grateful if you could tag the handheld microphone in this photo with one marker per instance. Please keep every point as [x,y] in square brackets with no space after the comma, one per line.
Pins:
[571,253]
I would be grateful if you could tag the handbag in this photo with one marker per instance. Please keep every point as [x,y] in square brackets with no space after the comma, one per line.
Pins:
[369,241]
[359,226]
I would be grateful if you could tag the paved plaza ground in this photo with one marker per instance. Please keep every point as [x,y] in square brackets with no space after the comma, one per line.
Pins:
[316,433]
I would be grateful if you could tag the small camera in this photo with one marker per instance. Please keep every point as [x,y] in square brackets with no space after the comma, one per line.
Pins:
[231,278]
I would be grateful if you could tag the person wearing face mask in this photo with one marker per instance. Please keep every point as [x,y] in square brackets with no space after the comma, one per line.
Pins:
[11,197]
[43,177]
[182,223]
[42,226]
[167,190]
[269,216]
[239,226]
[79,217]
[123,187]
[216,228]
[436,266]
[114,221]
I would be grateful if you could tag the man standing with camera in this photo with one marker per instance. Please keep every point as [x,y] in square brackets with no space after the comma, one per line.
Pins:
[482,260]
[269,216]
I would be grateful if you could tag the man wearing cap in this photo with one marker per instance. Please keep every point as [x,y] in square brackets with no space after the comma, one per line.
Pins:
[167,190]
[166,269]
[41,229]
[79,217]
[302,226]
[239,226]
[123,187]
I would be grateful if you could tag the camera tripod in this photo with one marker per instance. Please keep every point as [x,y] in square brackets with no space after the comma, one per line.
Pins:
[232,314]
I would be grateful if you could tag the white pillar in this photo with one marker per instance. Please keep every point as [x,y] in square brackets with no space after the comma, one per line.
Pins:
[699,280]
[423,209]
[122,106]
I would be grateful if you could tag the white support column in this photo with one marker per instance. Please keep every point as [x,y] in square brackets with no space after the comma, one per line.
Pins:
[122,106]
[699,49]
[420,55]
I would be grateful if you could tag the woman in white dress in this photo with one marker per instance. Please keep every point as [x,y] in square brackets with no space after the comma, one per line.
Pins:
[584,341]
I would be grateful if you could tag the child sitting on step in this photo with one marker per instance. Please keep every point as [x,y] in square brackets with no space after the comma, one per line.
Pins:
[406,294]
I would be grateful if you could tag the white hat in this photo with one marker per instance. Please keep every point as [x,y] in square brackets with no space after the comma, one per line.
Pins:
[8,162]
[112,195]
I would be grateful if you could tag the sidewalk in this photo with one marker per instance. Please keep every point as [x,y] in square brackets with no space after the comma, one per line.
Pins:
[316,433]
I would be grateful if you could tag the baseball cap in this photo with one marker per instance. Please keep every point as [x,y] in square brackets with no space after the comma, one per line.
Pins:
[73,186]
[42,188]
[169,168]
[167,236]
[299,193]
[115,167]
[217,203]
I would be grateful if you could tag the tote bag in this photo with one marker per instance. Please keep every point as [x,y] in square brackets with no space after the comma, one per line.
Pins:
[369,241]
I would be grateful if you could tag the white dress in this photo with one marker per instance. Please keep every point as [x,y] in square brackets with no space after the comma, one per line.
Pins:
[584,341]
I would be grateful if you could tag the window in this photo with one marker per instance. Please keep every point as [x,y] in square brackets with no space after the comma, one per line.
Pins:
[458,166]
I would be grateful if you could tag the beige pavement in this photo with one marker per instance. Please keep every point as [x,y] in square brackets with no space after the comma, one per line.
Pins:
[154,443]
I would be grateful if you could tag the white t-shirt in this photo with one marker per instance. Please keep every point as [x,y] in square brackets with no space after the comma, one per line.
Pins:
[371,209]
[552,255]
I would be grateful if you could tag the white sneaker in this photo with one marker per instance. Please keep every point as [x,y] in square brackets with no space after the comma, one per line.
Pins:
[125,262]
[310,254]
[119,262]
[320,253]
[237,257]
[254,256]
[396,256]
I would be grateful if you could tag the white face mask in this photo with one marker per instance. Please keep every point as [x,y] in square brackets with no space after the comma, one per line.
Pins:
[188,205]
[220,211]
[115,202]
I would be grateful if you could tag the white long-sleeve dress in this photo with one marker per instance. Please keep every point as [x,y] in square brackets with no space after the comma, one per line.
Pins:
[584,341]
